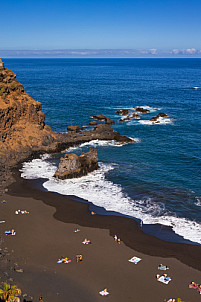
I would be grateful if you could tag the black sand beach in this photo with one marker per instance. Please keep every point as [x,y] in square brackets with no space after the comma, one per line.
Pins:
[47,233]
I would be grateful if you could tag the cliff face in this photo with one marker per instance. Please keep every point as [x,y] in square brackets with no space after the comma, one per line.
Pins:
[22,122]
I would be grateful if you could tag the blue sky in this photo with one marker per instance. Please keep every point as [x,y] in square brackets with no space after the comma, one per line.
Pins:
[145,28]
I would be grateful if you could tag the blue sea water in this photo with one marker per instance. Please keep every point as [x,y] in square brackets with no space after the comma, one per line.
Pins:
[156,179]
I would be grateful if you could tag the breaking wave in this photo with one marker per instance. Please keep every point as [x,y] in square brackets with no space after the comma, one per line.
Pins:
[96,188]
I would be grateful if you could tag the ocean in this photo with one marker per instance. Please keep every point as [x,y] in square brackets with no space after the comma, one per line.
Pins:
[157,179]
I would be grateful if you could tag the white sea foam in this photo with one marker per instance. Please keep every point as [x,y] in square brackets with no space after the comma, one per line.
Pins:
[97,142]
[160,121]
[198,201]
[97,189]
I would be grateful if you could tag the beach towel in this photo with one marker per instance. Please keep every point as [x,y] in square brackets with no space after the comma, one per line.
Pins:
[9,233]
[62,261]
[164,280]
[163,267]
[2,221]
[193,286]
[135,260]
[103,293]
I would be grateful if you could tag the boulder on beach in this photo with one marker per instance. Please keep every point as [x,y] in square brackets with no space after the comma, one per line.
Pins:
[101,117]
[74,166]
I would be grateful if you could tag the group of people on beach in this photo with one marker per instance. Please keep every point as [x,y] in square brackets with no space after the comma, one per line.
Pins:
[196,286]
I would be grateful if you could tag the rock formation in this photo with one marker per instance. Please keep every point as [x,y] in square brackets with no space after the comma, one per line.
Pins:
[101,117]
[93,123]
[72,165]
[161,114]
[129,117]
[142,110]
[122,112]
[74,128]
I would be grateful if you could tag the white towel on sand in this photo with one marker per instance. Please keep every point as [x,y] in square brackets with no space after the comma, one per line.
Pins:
[135,260]
[164,280]
[103,293]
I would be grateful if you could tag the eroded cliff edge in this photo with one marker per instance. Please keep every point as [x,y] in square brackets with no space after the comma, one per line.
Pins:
[23,132]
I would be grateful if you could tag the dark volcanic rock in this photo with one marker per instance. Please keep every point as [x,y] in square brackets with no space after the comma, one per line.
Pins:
[142,110]
[153,119]
[129,117]
[93,123]
[122,112]
[72,165]
[73,128]
[101,117]
[161,114]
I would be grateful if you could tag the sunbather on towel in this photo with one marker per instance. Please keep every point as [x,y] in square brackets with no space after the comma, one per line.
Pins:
[193,285]
[163,267]
[104,292]
[199,289]
[86,241]
[165,276]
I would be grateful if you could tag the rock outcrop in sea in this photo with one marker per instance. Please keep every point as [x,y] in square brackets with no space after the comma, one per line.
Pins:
[72,165]
[24,134]
[101,117]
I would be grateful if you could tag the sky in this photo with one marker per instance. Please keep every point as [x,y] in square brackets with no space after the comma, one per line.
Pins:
[83,28]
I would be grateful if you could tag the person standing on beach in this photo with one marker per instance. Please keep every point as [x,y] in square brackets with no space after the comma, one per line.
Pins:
[141,223]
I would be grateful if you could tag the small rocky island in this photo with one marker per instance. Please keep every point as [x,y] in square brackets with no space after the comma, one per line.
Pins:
[74,166]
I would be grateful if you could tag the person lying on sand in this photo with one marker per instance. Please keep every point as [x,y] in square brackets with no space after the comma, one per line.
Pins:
[64,260]
[162,267]
[104,292]
[86,241]
[4,201]
[193,285]
[76,230]
[199,289]
[166,278]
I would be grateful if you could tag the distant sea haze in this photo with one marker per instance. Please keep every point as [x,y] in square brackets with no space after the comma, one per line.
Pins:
[156,179]
[103,53]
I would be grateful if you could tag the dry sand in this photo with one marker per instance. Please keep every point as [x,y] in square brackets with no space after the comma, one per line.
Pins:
[47,233]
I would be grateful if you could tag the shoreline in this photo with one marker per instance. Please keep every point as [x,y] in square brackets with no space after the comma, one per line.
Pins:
[47,233]
[24,188]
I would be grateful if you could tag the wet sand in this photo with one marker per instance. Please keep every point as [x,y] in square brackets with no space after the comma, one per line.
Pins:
[46,234]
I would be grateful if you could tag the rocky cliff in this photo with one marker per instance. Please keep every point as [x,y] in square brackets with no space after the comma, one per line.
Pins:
[22,124]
